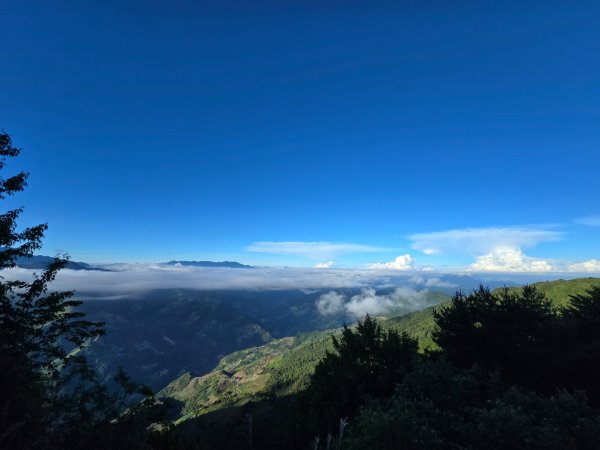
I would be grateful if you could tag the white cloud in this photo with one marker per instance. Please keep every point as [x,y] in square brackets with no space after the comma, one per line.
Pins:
[434,282]
[509,260]
[592,221]
[403,262]
[313,250]
[324,265]
[330,303]
[593,265]
[131,279]
[127,280]
[369,302]
[477,241]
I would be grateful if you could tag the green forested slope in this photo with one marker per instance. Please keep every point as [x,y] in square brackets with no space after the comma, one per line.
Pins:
[559,291]
[284,366]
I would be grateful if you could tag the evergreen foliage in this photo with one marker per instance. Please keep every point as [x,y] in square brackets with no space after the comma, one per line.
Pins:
[480,371]
[50,395]
[366,362]
[439,406]
[517,333]
[581,364]
[511,372]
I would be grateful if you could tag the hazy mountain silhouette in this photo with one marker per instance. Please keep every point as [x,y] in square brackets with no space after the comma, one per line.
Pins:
[230,264]
[41,262]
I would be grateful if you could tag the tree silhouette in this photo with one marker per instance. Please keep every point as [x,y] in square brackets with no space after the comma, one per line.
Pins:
[367,362]
[581,365]
[37,326]
[517,333]
[50,396]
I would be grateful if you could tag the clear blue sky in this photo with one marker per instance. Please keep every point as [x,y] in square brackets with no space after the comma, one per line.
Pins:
[159,130]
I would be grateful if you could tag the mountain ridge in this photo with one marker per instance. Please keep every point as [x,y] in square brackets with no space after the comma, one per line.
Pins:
[42,262]
[226,264]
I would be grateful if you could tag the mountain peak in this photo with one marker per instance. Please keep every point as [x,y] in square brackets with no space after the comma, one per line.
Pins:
[229,264]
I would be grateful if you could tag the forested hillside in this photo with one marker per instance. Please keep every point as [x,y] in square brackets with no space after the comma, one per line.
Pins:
[158,335]
[284,366]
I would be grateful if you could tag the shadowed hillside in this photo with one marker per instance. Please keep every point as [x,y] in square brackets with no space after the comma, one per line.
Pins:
[284,366]
[162,334]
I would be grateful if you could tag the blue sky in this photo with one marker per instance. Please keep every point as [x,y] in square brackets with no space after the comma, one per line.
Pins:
[298,134]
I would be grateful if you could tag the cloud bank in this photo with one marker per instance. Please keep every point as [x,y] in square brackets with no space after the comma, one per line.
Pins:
[403,299]
[131,279]
[478,241]
[330,304]
[403,262]
[510,260]
[324,265]
[434,282]
[591,266]
[498,250]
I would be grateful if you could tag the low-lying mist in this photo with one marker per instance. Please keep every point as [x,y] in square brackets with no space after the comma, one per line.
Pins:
[125,280]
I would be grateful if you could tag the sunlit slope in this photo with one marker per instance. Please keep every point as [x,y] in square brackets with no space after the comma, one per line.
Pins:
[559,291]
[284,366]
[280,367]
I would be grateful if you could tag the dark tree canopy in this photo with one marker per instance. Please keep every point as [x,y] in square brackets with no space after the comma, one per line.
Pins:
[50,396]
[367,362]
[36,326]
[518,334]
[582,362]
[438,406]
[510,371]
[515,332]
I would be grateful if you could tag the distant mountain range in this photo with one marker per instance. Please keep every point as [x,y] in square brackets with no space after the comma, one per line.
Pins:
[41,262]
[230,264]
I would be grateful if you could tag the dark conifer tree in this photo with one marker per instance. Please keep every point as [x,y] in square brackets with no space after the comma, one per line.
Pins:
[367,362]
[581,365]
[50,397]
[37,327]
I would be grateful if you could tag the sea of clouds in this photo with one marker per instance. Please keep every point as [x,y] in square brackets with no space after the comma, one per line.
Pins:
[130,279]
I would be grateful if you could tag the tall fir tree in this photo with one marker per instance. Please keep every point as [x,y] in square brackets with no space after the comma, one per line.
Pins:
[50,397]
